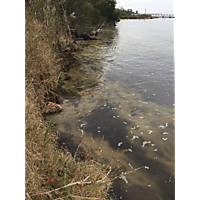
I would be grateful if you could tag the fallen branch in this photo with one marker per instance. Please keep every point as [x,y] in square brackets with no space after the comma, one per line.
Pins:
[75,183]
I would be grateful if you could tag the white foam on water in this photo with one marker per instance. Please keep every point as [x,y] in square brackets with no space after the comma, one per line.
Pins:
[119,144]
[81,131]
[150,131]
[134,137]
[124,178]
[145,142]
[165,133]
[130,165]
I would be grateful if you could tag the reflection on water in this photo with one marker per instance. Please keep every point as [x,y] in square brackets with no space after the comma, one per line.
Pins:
[117,108]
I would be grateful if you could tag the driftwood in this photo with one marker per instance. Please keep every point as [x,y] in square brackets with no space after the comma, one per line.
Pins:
[97,30]
[82,36]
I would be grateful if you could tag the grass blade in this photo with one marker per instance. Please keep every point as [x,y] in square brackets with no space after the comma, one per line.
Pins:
[96,186]
[55,158]
[48,128]
[46,143]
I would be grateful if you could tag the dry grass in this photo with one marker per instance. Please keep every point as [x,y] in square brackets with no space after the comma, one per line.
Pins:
[68,177]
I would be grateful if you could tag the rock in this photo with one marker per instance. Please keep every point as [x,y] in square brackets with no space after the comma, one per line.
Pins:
[53,108]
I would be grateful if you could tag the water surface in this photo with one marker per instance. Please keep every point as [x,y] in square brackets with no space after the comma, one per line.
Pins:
[124,99]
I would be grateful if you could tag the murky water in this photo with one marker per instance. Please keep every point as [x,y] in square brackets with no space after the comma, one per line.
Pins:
[123,98]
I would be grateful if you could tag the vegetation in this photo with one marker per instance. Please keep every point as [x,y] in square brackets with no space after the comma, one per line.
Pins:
[129,14]
[53,174]
[107,9]
[83,16]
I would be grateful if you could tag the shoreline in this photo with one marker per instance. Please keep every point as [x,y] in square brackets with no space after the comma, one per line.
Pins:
[80,156]
[50,170]
[139,16]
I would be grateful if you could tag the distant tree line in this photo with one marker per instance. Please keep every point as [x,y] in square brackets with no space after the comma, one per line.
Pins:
[130,14]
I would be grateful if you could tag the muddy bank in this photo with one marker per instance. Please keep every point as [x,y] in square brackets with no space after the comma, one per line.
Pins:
[75,77]
[83,69]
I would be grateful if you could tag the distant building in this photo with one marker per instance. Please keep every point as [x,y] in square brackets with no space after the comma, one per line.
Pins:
[136,12]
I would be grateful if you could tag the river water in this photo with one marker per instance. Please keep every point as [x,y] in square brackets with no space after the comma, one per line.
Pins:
[121,96]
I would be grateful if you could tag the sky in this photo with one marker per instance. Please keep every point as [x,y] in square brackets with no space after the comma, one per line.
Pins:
[151,6]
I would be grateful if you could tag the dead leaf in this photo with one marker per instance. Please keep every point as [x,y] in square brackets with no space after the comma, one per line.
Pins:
[57,165]
[49,182]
